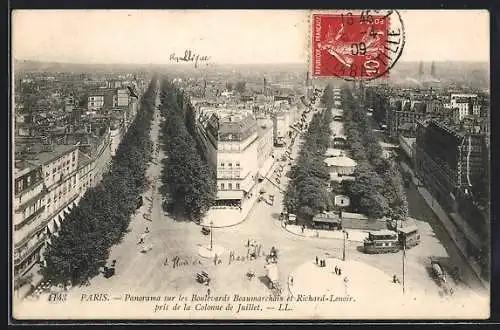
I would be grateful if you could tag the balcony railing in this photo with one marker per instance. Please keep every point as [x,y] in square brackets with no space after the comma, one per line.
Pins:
[30,219]
[20,257]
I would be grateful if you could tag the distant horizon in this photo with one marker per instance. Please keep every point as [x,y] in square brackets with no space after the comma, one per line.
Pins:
[229,63]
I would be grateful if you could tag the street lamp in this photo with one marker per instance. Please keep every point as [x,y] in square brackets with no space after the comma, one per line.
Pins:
[343,250]
[404,258]
[211,235]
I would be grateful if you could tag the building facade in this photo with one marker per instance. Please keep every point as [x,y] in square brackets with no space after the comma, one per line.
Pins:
[95,101]
[448,160]
[46,190]
[29,210]
[238,148]
[123,97]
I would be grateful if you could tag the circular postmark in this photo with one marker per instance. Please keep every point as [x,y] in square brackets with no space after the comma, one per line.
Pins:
[357,45]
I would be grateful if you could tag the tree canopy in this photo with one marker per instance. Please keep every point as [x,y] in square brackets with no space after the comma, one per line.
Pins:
[307,193]
[378,189]
[188,183]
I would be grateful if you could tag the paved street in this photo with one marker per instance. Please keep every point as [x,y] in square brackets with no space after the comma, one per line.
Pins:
[151,273]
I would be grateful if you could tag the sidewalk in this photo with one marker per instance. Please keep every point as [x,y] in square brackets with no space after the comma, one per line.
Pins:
[455,234]
[232,216]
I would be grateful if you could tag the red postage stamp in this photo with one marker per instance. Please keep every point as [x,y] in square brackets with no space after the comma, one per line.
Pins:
[356,46]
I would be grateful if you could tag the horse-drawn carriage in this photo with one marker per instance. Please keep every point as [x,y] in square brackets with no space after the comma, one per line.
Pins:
[205,231]
[441,277]
[109,271]
[203,278]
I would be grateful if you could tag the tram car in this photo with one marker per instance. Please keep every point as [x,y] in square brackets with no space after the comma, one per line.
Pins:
[409,236]
[381,241]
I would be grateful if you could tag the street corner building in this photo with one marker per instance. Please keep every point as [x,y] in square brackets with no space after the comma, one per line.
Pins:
[239,148]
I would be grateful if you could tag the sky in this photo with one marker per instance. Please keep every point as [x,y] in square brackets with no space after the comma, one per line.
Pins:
[226,36]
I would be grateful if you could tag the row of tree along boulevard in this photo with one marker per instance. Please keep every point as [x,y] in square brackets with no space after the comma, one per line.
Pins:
[188,184]
[80,249]
[378,189]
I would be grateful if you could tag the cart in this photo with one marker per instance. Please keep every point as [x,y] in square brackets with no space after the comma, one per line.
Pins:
[108,271]
[250,275]
[205,231]
[203,278]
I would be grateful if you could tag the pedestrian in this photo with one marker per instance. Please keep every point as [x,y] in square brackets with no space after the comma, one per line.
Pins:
[302,229]
[324,263]
[291,280]
[316,260]
[248,243]
[215,259]
[336,270]
[166,261]
[340,271]
[208,292]
[147,230]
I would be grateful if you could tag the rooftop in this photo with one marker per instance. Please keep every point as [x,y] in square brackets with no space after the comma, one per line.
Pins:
[39,154]
[232,126]
[83,160]
[341,161]
[327,217]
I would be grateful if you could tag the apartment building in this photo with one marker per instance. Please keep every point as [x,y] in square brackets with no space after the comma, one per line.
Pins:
[123,97]
[46,189]
[448,159]
[95,101]
[29,210]
[238,147]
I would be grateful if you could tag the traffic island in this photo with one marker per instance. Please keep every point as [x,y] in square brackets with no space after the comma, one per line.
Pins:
[205,251]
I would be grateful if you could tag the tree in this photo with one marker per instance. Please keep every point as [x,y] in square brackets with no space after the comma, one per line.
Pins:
[327,99]
[187,179]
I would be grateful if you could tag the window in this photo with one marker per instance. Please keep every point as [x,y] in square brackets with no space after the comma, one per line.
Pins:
[238,164]
[222,186]
[19,185]
[221,164]
[230,164]
[28,180]
[237,186]
[230,186]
